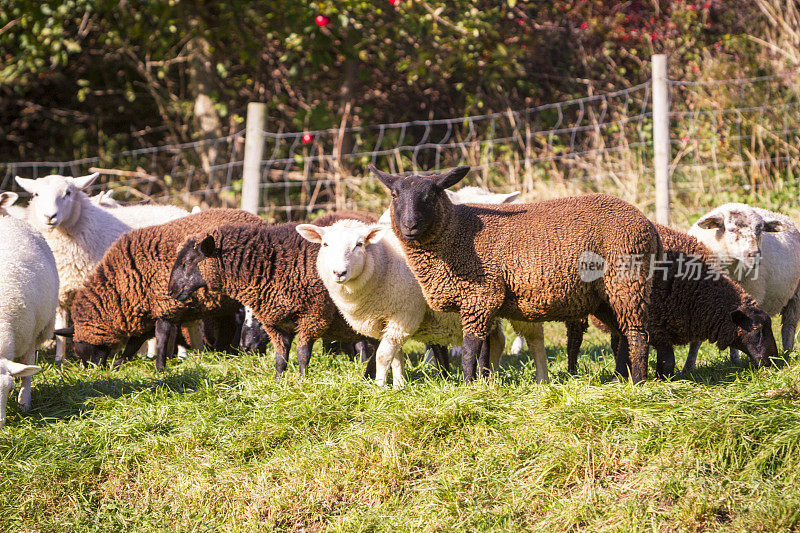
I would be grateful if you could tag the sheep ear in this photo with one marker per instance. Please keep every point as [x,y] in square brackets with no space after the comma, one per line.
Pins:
[386,178]
[375,234]
[741,319]
[208,247]
[310,232]
[28,185]
[65,332]
[18,370]
[448,179]
[772,225]
[713,221]
[8,198]
[84,181]
[510,197]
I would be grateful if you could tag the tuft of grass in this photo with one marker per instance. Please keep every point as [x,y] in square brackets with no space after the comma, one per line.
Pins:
[217,444]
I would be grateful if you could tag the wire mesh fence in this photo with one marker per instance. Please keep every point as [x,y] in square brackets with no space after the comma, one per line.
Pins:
[730,139]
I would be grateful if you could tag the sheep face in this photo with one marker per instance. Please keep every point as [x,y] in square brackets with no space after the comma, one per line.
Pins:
[8,371]
[343,247]
[754,335]
[253,336]
[55,198]
[185,277]
[416,200]
[738,233]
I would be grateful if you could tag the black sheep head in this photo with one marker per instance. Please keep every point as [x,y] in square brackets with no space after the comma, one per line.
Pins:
[186,277]
[253,337]
[86,352]
[754,335]
[415,200]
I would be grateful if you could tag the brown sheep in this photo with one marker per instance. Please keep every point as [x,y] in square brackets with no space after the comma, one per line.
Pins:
[692,301]
[525,262]
[273,271]
[126,295]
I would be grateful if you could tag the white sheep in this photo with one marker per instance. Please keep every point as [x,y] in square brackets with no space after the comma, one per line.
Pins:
[761,250]
[28,299]
[365,271]
[79,231]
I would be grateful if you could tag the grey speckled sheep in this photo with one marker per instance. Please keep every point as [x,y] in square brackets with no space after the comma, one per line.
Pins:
[522,262]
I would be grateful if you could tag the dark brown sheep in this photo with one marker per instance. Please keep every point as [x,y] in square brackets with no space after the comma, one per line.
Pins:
[126,294]
[273,271]
[692,301]
[524,262]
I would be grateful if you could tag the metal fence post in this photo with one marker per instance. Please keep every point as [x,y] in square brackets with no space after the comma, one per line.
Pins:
[253,151]
[661,144]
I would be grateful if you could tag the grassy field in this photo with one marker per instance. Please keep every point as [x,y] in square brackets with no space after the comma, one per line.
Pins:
[217,444]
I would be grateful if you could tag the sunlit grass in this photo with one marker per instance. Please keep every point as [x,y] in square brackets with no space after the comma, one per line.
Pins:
[216,443]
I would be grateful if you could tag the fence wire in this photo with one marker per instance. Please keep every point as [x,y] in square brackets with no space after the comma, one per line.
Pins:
[729,138]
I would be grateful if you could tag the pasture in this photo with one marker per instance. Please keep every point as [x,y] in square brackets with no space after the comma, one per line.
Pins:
[217,444]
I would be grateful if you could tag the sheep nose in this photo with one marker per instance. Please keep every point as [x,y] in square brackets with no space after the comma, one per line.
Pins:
[339,273]
[753,255]
[50,219]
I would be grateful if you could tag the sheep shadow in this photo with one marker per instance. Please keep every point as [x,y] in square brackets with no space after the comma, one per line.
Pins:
[71,396]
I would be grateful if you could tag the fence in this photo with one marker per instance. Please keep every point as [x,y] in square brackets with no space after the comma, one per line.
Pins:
[713,141]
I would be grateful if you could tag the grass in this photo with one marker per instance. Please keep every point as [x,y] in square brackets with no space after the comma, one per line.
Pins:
[217,444]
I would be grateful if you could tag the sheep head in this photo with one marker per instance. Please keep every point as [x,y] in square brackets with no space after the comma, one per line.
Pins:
[253,336]
[416,200]
[186,277]
[737,232]
[56,199]
[342,253]
[754,334]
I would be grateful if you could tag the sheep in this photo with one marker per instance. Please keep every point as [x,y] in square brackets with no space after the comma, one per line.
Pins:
[692,301]
[365,272]
[28,298]
[125,297]
[272,270]
[7,199]
[527,262]
[762,252]
[79,231]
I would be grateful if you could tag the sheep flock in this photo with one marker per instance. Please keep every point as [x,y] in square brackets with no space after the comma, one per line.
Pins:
[442,267]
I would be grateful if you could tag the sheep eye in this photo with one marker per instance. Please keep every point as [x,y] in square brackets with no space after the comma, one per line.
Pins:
[394,194]
[359,243]
[68,193]
[324,244]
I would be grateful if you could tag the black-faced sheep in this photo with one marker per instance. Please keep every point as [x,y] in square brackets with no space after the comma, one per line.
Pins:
[523,262]
[126,295]
[272,270]
[692,301]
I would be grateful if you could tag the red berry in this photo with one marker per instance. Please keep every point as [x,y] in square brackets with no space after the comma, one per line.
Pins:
[307,138]
[585,26]
[394,2]
[322,20]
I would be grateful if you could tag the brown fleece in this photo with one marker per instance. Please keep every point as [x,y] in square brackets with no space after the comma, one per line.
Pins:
[127,291]
[521,262]
[692,310]
[273,270]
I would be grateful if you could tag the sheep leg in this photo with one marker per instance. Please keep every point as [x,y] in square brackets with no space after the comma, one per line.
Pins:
[575,331]
[304,354]
[735,359]
[282,342]
[166,334]
[152,348]
[665,361]
[619,346]
[497,344]
[789,317]
[62,321]
[691,358]
[442,358]
[131,347]
[469,355]
[24,397]
[366,354]
[389,349]
[637,352]
[534,337]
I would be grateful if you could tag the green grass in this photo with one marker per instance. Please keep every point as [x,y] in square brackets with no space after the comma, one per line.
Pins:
[217,444]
